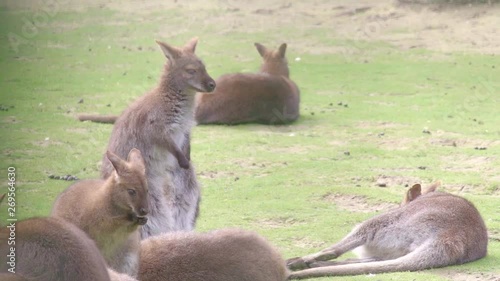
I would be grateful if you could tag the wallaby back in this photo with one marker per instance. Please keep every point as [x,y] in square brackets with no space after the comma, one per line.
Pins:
[221,255]
[110,211]
[433,229]
[267,97]
[159,125]
[50,249]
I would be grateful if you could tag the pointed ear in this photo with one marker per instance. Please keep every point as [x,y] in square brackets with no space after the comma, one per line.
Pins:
[191,45]
[412,193]
[135,158]
[170,52]
[432,187]
[119,165]
[261,49]
[282,50]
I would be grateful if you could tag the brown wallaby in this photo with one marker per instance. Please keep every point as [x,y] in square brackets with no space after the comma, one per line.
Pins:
[159,125]
[110,211]
[430,229]
[221,255]
[50,249]
[267,97]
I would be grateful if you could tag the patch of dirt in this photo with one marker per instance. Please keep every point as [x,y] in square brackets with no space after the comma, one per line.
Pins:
[445,28]
[466,276]
[81,131]
[379,125]
[385,181]
[357,203]
[214,174]
[46,143]
[279,222]
[390,143]
[463,163]
[306,243]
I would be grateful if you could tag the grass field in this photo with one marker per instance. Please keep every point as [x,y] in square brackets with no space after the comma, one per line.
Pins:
[385,110]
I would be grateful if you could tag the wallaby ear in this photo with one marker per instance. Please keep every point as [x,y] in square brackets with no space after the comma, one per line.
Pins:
[432,187]
[191,45]
[118,163]
[412,193]
[135,157]
[261,49]
[282,50]
[170,52]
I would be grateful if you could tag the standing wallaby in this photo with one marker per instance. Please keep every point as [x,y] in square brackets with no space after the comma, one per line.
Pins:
[110,211]
[221,255]
[428,230]
[50,249]
[159,124]
[267,97]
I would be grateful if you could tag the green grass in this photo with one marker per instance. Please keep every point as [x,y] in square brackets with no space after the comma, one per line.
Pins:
[268,179]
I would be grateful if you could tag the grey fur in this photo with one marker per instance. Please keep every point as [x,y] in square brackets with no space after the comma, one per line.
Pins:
[159,125]
[435,229]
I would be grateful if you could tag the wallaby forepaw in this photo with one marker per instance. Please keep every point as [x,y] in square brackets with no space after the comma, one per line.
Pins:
[184,163]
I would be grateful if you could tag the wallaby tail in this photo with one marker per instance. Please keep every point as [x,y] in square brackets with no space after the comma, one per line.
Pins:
[106,119]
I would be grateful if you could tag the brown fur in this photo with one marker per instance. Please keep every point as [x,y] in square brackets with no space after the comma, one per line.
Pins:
[50,249]
[159,124]
[221,255]
[429,230]
[267,97]
[110,211]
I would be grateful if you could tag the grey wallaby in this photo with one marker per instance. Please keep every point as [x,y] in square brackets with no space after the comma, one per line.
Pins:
[110,211]
[430,229]
[159,125]
[221,255]
[51,249]
[268,97]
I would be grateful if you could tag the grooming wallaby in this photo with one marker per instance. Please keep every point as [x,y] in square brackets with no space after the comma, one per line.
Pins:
[267,97]
[159,125]
[221,255]
[50,249]
[430,229]
[110,211]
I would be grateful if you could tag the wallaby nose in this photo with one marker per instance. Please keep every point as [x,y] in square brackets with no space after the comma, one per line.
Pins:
[211,86]
[143,211]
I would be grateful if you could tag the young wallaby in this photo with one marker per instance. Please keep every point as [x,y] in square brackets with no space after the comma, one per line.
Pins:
[50,249]
[430,229]
[110,211]
[159,125]
[267,97]
[221,255]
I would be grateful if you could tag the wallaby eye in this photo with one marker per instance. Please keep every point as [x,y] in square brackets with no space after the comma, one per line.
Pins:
[131,192]
[191,71]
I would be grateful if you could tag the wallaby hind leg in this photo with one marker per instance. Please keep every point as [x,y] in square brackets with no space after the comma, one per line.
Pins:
[428,255]
[347,261]
[351,241]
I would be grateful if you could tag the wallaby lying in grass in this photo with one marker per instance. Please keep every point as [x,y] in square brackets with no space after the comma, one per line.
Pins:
[268,97]
[159,125]
[430,229]
[51,249]
[110,211]
[221,255]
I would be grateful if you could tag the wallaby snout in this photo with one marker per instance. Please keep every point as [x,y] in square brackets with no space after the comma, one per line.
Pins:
[210,85]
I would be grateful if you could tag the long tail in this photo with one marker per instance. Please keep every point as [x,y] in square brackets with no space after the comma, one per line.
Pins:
[106,119]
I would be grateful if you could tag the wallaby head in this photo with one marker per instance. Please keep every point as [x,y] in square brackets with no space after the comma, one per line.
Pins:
[275,62]
[416,190]
[130,189]
[188,70]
